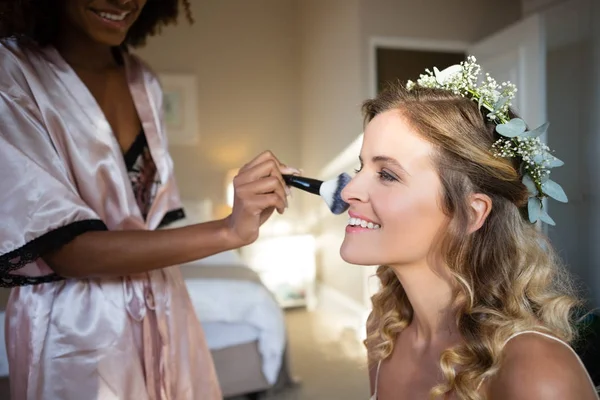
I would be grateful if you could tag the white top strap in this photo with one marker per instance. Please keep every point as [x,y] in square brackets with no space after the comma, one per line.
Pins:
[374,397]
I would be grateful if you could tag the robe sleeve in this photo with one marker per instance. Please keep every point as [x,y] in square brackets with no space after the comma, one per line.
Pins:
[40,206]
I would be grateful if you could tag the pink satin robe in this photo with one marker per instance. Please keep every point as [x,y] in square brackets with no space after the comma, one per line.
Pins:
[62,170]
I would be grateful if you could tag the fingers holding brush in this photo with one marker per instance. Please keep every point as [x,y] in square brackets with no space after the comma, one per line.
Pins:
[259,189]
[262,170]
[262,193]
[269,156]
[264,165]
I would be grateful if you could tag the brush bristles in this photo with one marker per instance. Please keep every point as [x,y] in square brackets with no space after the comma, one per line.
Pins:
[331,192]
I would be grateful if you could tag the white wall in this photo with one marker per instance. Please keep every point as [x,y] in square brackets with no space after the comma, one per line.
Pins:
[245,55]
[592,146]
[573,89]
[331,76]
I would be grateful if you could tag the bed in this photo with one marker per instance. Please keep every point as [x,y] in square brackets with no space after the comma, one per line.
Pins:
[243,324]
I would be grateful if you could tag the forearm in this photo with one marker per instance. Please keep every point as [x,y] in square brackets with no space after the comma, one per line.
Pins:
[118,253]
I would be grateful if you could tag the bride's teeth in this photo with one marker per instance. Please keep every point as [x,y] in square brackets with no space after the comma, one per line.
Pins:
[362,223]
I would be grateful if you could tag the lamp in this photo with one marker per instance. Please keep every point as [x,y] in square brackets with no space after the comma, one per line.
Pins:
[229,190]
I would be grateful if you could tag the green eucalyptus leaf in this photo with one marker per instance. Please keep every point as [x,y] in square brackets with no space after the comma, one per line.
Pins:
[500,103]
[545,178]
[546,218]
[547,160]
[555,191]
[513,128]
[530,184]
[553,162]
[539,158]
[534,208]
[540,130]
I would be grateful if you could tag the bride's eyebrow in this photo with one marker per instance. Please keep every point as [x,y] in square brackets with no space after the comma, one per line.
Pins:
[390,161]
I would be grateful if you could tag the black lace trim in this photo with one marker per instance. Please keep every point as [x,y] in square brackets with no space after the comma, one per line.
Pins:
[172,216]
[11,281]
[52,240]
[134,151]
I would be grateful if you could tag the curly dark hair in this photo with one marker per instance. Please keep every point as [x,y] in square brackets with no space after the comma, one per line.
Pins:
[37,20]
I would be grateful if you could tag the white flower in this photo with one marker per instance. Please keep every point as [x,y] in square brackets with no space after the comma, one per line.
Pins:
[443,76]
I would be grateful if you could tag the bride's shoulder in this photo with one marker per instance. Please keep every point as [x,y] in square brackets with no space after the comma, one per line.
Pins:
[535,366]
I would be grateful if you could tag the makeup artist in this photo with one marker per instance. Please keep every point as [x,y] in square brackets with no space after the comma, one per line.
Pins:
[95,309]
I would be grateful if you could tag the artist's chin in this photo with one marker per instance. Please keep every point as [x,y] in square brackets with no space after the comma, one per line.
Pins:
[112,40]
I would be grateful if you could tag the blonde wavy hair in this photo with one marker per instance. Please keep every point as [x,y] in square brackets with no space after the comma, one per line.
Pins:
[507,277]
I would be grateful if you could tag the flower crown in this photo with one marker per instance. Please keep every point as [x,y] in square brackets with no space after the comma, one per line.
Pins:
[515,140]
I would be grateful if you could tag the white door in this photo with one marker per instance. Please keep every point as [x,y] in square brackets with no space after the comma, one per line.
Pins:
[518,54]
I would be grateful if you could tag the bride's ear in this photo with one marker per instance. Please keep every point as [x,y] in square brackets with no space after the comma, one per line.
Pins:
[481,205]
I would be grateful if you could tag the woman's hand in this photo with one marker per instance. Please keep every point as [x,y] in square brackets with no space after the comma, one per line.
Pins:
[259,189]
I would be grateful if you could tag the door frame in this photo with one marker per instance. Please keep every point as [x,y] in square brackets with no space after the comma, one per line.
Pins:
[406,43]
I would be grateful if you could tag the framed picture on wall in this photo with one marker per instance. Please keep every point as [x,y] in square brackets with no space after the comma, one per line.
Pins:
[180,107]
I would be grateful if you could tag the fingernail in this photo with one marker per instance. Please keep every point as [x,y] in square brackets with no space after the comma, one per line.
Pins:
[290,170]
[288,191]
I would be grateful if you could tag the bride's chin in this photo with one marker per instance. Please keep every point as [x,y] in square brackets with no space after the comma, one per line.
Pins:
[351,256]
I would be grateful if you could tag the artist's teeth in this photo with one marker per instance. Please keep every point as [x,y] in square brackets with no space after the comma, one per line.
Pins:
[362,223]
[113,17]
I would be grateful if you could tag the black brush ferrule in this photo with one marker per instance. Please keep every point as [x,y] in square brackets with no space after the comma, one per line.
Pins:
[307,184]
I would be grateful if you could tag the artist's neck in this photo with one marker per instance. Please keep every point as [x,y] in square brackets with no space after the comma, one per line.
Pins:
[81,52]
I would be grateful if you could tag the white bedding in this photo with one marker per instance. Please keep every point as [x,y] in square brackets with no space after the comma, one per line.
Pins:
[237,312]
[220,335]
[224,305]
[230,257]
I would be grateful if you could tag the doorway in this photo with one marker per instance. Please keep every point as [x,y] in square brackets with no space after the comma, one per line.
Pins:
[393,64]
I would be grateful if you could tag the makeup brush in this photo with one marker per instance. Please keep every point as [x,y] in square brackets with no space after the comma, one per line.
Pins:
[330,191]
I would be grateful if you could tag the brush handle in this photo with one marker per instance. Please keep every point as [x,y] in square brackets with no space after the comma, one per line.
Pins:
[307,184]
